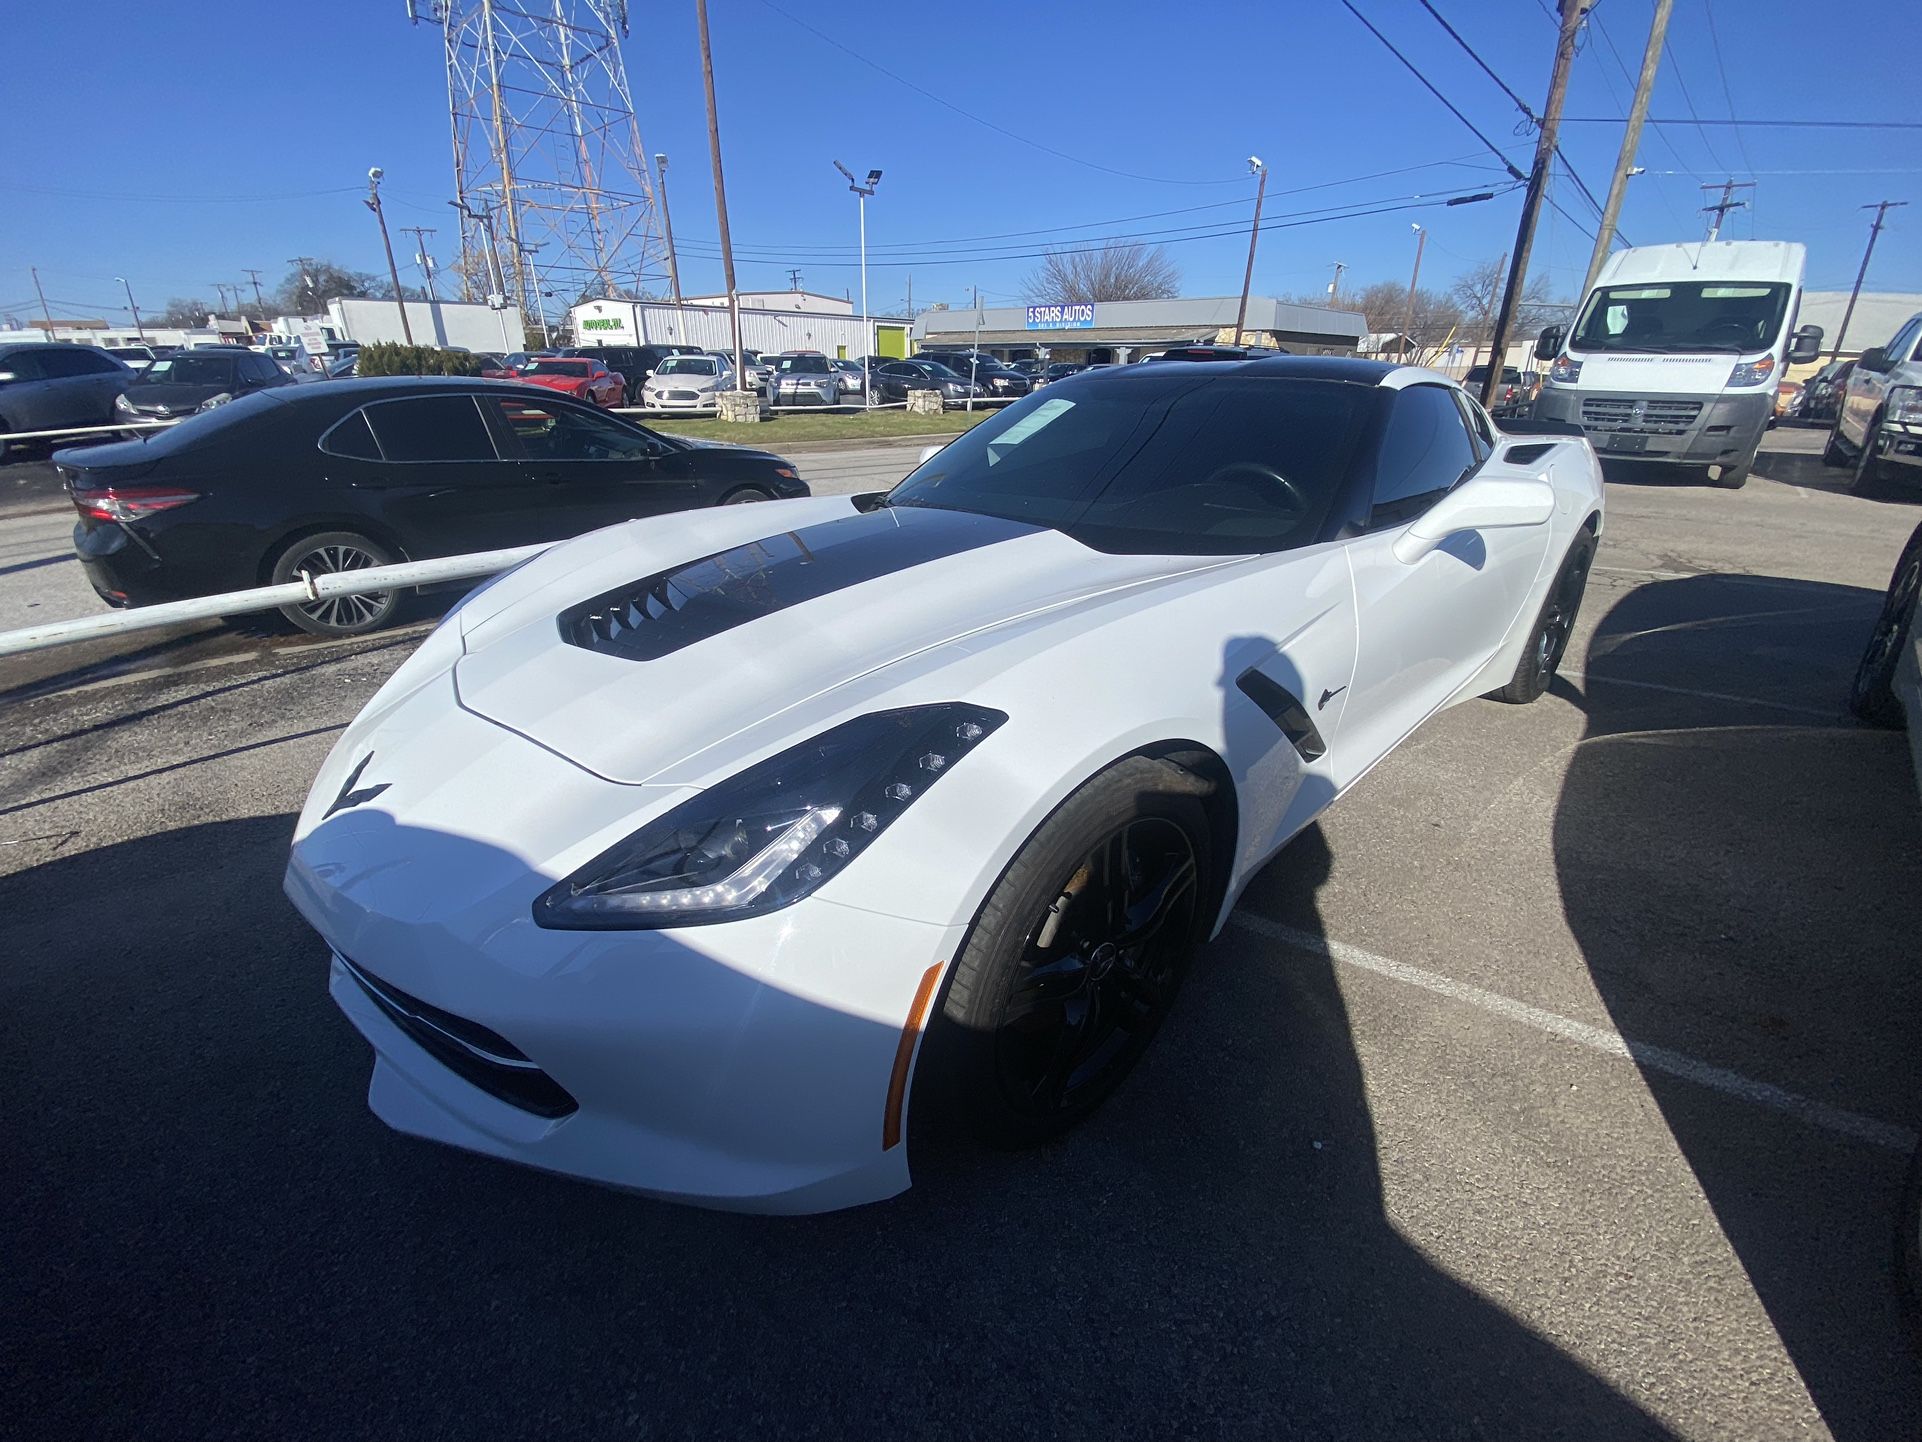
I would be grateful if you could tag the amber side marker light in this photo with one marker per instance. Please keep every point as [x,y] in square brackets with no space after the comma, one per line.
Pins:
[904,1057]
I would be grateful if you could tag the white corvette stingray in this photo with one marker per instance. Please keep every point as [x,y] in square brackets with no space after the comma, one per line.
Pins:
[661,857]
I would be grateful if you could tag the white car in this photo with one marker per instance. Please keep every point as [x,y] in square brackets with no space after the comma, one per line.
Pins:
[662,856]
[804,378]
[687,383]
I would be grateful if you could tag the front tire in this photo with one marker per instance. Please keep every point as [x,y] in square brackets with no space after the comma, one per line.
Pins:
[1870,478]
[1872,695]
[1076,955]
[329,553]
[745,495]
[1834,453]
[1553,626]
[1731,478]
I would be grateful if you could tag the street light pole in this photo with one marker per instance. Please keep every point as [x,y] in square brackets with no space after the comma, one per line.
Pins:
[667,223]
[1408,320]
[862,192]
[373,204]
[1254,231]
[132,307]
[540,295]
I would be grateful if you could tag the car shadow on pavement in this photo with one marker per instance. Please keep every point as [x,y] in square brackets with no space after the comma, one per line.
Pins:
[1720,781]
[213,1236]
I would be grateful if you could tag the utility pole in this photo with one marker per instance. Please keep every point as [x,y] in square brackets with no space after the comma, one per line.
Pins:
[220,293]
[974,356]
[1551,124]
[720,195]
[1334,286]
[46,314]
[667,224]
[1881,208]
[1723,206]
[138,330]
[1254,231]
[420,234]
[259,299]
[393,271]
[307,285]
[1408,320]
[1631,141]
[540,295]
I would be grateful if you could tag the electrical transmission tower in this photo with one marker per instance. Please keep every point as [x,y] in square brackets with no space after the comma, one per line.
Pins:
[547,152]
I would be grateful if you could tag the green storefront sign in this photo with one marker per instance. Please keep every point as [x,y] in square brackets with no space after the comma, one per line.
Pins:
[612,322]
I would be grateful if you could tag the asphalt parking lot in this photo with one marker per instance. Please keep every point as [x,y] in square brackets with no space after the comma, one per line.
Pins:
[1560,1083]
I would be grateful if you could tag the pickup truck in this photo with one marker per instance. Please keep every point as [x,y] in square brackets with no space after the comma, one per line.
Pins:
[1878,420]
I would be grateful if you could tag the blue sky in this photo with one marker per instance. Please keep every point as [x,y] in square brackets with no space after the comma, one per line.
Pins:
[178,144]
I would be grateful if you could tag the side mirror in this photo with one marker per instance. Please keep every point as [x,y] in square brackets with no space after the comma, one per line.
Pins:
[1805,345]
[1548,344]
[1875,358]
[928,453]
[1483,503]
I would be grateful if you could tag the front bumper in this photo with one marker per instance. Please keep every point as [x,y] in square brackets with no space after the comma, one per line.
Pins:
[746,1065]
[670,401]
[796,396]
[1682,430]
[1900,444]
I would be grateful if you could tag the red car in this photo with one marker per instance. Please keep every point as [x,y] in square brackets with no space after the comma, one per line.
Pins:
[577,376]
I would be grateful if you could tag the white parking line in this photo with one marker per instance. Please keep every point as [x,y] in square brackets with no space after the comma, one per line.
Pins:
[1594,1038]
[1830,714]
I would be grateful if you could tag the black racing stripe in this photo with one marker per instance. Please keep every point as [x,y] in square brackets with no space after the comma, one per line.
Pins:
[660,614]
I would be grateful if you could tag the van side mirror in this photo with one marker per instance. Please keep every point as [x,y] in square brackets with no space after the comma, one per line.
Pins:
[1548,344]
[1805,345]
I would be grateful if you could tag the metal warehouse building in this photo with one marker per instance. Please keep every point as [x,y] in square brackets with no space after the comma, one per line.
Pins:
[1122,330]
[770,321]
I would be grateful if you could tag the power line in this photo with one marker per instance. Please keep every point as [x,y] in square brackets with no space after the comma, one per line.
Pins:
[982,120]
[1715,42]
[1494,149]
[188,199]
[1778,124]
[1675,68]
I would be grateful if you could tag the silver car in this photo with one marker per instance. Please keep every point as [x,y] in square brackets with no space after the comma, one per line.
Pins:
[687,383]
[804,378]
[51,387]
[851,378]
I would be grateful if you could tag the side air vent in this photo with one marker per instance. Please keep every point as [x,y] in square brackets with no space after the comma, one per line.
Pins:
[1285,710]
[1526,455]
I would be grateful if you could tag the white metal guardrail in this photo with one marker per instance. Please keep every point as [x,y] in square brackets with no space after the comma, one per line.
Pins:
[266,598]
[87,430]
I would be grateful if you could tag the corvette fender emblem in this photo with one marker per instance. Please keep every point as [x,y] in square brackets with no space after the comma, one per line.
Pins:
[349,796]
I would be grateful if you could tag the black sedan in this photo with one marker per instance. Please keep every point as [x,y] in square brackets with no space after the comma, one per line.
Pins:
[199,380]
[368,472]
[895,379]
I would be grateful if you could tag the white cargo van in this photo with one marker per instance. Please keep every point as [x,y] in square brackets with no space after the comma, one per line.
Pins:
[1674,356]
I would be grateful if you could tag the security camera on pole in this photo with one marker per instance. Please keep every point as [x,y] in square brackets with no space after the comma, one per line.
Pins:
[867,339]
[373,203]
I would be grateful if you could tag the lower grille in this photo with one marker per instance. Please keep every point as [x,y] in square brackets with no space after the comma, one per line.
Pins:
[684,395]
[472,1052]
[1639,417]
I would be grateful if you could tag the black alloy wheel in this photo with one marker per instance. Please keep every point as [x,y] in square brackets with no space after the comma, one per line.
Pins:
[746,495]
[336,553]
[1869,478]
[1553,627]
[1872,695]
[1100,967]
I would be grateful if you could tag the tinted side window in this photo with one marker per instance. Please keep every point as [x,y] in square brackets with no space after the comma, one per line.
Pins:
[1424,452]
[1480,432]
[352,437]
[25,366]
[68,362]
[431,428]
[567,433]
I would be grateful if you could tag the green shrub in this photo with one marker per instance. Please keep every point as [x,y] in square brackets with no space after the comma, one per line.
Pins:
[391,358]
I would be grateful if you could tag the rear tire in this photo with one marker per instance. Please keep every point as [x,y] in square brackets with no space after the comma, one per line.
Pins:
[1833,452]
[1872,695]
[327,553]
[1075,957]
[1553,626]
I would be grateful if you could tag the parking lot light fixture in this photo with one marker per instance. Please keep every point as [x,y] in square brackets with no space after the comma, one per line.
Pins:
[862,192]
[1260,172]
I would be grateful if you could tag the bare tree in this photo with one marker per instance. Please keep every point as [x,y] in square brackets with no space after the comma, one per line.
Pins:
[184,313]
[1478,291]
[306,292]
[1385,304]
[1115,272]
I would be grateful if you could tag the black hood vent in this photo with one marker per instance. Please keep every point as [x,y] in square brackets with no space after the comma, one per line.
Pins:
[660,614]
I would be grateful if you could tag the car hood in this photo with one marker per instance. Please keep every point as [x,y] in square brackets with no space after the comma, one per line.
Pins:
[173,397]
[633,650]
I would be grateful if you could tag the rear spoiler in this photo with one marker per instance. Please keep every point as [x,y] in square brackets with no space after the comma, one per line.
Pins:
[1532,427]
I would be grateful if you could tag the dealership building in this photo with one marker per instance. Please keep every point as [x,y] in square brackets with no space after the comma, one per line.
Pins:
[1119,331]
[771,321]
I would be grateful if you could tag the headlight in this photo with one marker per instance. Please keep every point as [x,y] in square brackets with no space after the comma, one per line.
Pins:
[1752,373]
[1905,405]
[1565,371]
[772,834]
[219,400]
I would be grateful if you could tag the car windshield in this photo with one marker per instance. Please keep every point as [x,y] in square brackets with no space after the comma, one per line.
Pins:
[938,371]
[1679,316]
[191,370]
[1156,465]
[803,365]
[561,367]
[689,365]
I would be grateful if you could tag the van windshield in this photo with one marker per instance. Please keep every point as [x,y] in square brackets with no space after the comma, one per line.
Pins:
[1673,317]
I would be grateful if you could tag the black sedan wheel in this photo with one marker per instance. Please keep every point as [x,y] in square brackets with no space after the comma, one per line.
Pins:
[746,495]
[336,553]
[1536,669]
[1077,955]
